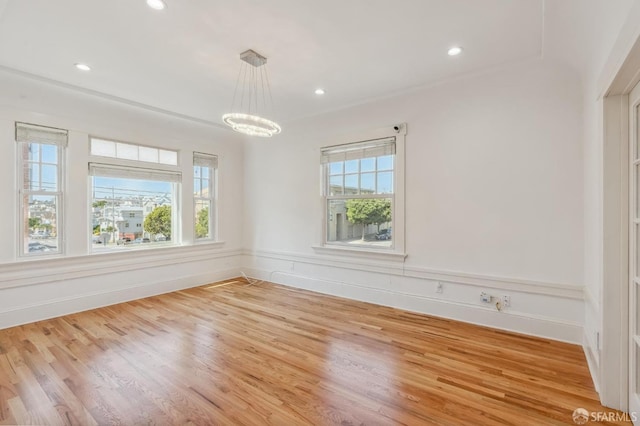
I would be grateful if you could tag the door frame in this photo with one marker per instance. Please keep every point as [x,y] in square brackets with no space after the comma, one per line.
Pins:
[634,187]
[623,75]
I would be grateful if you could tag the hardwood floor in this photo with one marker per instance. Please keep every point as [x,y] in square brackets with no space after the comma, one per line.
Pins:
[268,354]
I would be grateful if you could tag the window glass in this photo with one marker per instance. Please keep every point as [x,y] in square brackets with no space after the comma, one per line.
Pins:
[131,213]
[360,194]
[40,172]
[133,152]
[204,166]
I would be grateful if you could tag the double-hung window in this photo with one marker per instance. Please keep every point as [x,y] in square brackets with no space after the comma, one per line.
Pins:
[359,193]
[41,154]
[204,195]
[132,204]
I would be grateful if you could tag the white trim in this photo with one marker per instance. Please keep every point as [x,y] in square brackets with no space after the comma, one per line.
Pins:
[629,319]
[67,305]
[65,268]
[393,266]
[588,297]
[362,253]
[592,362]
[534,325]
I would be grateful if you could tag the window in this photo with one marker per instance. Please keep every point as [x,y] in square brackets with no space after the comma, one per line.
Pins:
[204,195]
[133,207]
[127,151]
[360,194]
[41,153]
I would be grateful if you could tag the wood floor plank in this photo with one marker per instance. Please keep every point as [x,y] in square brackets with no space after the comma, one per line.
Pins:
[228,353]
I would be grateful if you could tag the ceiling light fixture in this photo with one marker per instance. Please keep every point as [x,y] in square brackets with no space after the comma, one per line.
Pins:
[156,4]
[319,91]
[253,96]
[455,51]
[83,67]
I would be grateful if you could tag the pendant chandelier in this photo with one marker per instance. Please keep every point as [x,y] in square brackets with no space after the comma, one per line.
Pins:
[254,88]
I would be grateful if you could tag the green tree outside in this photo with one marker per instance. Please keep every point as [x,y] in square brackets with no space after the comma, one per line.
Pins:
[159,221]
[202,223]
[34,222]
[368,212]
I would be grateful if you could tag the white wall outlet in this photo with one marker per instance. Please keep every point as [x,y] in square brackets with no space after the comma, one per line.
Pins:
[485,297]
[506,301]
[439,288]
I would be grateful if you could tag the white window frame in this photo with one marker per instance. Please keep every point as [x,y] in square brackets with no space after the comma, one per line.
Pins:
[210,161]
[397,250]
[25,134]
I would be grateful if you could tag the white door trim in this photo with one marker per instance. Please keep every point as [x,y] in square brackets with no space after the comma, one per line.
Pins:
[634,176]
[613,372]
[621,73]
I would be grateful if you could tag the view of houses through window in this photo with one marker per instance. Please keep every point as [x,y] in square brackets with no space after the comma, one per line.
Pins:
[131,205]
[40,157]
[128,212]
[359,193]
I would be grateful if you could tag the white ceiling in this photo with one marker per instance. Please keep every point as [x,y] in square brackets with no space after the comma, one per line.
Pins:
[185,59]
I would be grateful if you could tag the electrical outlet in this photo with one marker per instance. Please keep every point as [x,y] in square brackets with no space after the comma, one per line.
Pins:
[506,301]
[485,297]
[439,288]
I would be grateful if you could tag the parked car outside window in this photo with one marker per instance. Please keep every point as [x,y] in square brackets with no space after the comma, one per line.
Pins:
[384,234]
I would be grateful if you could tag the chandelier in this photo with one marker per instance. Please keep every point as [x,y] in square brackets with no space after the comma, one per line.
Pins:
[253,82]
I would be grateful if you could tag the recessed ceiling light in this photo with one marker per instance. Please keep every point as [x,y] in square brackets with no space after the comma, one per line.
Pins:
[319,92]
[455,50]
[156,4]
[83,67]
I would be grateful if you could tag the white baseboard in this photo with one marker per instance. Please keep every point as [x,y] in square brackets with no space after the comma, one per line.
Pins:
[591,362]
[535,325]
[65,306]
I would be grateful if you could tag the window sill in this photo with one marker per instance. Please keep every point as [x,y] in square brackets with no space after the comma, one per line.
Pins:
[360,253]
[209,243]
[143,248]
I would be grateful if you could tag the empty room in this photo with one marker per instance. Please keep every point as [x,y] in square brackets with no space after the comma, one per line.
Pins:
[362,212]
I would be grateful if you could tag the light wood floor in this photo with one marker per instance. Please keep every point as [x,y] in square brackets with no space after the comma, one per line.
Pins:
[267,354]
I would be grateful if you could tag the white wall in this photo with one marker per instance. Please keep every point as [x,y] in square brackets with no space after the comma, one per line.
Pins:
[601,37]
[36,289]
[589,48]
[612,31]
[494,201]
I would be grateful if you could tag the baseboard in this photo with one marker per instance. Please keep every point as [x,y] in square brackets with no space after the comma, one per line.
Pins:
[534,325]
[591,362]
[64,306]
